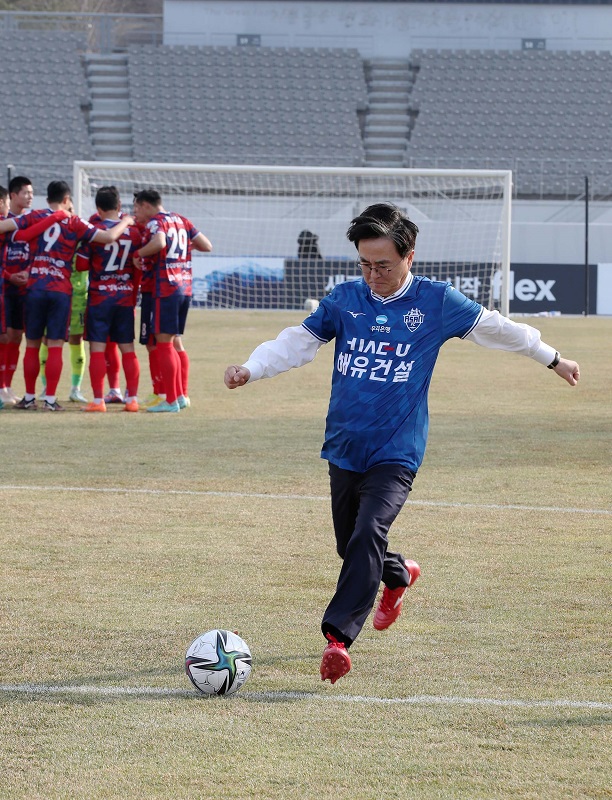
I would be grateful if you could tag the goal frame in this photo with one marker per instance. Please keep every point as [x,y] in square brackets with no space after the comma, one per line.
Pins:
[504,176]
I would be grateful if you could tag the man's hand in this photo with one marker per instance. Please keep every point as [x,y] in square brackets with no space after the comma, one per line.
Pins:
[236,376]
[19,278]
[568,370]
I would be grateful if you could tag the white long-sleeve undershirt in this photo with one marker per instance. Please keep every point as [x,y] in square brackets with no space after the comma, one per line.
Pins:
[500,333]
[293,347]
[296,346]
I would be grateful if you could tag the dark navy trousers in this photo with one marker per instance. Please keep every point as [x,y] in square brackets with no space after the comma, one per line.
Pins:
[364,506]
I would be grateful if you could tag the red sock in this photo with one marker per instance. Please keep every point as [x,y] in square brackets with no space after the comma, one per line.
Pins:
[3,349]
[12,359]
[53,369]
[156,376]
[131,368]
[97,373]
[113,365]
[178,386]
[168,366]
[184,362]
[31,368]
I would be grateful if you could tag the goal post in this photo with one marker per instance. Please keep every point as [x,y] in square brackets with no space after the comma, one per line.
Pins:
[279,233]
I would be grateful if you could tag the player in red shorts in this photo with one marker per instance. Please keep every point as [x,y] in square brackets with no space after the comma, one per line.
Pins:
[110,303]
[49,290]
[171,238]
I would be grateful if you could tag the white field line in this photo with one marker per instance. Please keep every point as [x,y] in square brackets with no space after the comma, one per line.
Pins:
[143,691]
[194,493]
[416,700]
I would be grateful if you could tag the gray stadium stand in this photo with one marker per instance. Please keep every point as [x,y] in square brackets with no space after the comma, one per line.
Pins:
[43,96]
[545,114]
[247,105]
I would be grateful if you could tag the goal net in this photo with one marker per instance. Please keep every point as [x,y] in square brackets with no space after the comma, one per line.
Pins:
[279,233]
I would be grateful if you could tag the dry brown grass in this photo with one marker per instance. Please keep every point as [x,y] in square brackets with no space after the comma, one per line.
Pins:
[106,589]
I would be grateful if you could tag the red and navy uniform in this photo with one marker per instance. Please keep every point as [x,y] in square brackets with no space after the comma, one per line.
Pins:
[49,290]
[51,255]
[147,284]
[111,297]
[147,280]
[12,261]
[172,265]
[15,258]
[2,299]
[172,271]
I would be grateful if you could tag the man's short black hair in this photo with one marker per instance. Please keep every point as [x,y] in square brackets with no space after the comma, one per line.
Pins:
[107,198]
[17,183]
[384,220]
[57,191]
[151,196]
[3,193]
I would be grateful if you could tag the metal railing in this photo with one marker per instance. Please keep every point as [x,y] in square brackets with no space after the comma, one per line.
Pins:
[533,179]
[102,33]
[536,178]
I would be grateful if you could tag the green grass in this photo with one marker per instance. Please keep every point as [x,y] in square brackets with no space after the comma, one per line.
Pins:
[104,589]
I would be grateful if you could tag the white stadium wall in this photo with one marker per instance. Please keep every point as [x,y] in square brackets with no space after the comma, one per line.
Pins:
[604,289]
[387,30]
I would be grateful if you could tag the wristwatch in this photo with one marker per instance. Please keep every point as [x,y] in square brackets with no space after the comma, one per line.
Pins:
[555,361]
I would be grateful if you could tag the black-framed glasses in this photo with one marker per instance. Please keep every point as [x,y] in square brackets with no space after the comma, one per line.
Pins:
[380,268]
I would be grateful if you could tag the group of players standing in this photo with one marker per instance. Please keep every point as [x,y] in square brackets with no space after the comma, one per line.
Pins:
[64,279]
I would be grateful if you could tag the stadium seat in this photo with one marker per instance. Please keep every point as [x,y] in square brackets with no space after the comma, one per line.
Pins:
[251,98]
[477,105]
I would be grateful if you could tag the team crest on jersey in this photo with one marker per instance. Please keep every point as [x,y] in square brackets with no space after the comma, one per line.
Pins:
[413,319]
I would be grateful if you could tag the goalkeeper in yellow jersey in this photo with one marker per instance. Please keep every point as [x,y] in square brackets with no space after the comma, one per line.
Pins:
[76,346]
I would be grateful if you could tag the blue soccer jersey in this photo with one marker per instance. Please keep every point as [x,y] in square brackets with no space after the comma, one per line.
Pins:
[386,350]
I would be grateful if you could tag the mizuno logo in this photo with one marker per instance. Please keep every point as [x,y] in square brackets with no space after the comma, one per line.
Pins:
[356,314]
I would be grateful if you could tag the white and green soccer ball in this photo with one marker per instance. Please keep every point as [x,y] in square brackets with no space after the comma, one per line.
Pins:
[218,662]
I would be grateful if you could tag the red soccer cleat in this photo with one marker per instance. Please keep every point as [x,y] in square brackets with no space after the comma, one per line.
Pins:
[390,606]
[336,662]
[96,408]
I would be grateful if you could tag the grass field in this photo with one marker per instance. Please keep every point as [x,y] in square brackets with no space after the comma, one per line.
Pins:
[124,536]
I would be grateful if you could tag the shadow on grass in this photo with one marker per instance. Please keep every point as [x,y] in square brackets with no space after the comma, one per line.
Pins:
[584,720]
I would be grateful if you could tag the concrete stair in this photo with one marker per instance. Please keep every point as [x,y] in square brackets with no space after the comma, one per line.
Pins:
[110,120]
[388,121]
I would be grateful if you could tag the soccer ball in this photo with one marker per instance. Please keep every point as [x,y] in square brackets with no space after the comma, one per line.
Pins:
[218,662]
[311,305]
